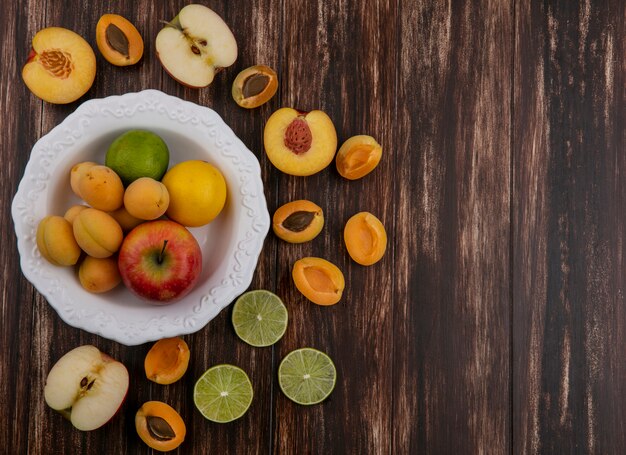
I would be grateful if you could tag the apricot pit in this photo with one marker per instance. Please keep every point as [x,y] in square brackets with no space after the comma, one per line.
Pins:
[118,40]
[300,143]
[254,86]
[160,426]
[167,361]
[358,156]
[318,280]
[365,237]
[298,221]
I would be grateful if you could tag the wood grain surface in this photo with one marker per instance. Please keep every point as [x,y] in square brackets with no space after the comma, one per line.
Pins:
[496,321]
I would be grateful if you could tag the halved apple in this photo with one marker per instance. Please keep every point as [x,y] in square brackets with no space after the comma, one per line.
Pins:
[195,45]
[61,66]
[87,387]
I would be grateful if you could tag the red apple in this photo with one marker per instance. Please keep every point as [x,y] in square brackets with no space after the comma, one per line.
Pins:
[160,261]
[87,387]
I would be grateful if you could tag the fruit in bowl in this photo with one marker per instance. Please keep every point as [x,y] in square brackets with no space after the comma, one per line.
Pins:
[229,244]
[160,261]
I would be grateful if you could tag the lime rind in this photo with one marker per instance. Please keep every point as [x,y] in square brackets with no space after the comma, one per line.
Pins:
[260,318]
[307,376]
[223,393]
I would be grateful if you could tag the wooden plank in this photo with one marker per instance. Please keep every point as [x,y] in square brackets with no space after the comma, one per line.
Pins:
[340,57]
[20,127]
[256,26]
[452,309]
[569,198]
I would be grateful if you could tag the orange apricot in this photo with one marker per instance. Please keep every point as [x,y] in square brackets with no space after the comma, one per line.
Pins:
[167,360]
[298,221]
[358,156]
[160,426]
[318,280]
[254,86]
[118,40]
[365,237]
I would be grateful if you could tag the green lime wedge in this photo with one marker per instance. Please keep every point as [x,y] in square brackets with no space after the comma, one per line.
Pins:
[223,393]
[307,376]
[259,318]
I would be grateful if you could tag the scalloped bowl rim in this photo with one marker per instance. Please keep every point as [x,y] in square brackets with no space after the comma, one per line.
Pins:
[214,141]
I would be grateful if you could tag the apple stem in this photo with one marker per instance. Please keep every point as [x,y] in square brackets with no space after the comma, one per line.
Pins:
[162,252]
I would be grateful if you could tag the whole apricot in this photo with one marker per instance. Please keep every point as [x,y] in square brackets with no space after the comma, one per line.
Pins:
[97,233]
[160,426]
[126,221]
[358,156]
[101,188]
[300,143]
[99,274]
[167,360]
[318,280]
[365,237]
[73,212]
[56,242]
[298,221]
[146,199]
[77,173]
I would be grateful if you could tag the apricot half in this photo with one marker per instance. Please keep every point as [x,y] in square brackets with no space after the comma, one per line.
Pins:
[118,40]
[358,156]
[300,143]
[254,86]
[167,360]
[318,280]
[298,221]
[61,66]
[365,237]
[160,426]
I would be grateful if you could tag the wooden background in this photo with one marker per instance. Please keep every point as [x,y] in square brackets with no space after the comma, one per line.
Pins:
[496,322]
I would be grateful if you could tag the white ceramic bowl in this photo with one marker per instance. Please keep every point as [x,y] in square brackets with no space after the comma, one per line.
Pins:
[230,244]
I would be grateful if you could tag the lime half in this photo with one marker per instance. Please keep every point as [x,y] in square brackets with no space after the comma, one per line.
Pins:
[223,393]
[260,318]
[307,376]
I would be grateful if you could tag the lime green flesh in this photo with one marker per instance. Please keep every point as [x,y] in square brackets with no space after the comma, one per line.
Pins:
[138,153]
[307,376]
[259,318]
[223,393]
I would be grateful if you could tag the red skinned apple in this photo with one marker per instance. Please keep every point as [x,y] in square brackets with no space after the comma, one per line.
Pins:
[87,387]
[160,261]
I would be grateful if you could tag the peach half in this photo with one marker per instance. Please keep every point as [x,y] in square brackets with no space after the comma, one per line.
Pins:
[61,66]
[300,143]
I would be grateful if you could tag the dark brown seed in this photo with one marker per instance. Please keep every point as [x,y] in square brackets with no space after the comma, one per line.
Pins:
[83,382]
[255,84]
[91,384]
[117,39]
[195,50]
[203,42]
[159,429]
[298,221]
